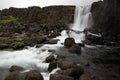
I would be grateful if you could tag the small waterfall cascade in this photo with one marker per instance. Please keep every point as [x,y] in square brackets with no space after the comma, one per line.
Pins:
[82,21]
[82,18]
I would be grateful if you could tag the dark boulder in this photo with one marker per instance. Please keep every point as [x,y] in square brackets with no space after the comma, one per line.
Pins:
[17,45]
[75,49]
[50,59]
[69,42]
[65,64]
[60,57]
[95,39]
[33,75]
[81,44]
[16,68]
[12,76]
[52,66]
[60,77]
[51,50]
[74,72]
[54,41]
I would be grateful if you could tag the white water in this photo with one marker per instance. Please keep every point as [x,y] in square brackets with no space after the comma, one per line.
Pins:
[33,58]
[82,20]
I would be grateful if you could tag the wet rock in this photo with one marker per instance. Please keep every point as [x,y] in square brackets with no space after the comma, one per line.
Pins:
[52,66]
[60,77]
[16,68]
[33,75]
[13,76]
[74,72]
[17,45]
[60,57]
[51,50]
[95,39]
[86,76]
[81,44]
[50,59]
[65,64]
[84,62]
[75,49]
[54,41]
[69,42]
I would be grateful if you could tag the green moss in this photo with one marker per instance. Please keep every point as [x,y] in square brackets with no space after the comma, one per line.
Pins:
[21,36]
[7,19]
[17,45]
[4,38]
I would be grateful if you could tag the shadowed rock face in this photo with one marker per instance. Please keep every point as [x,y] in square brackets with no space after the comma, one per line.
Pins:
[107,19]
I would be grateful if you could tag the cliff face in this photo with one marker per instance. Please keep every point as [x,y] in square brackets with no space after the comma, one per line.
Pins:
[107,19]
[20,27]
[47,15]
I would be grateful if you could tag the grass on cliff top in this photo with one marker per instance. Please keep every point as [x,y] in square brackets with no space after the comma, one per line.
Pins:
[7,19]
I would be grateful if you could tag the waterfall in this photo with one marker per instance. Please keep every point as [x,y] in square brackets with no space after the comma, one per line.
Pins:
[33,58]
[82,21]
[82,18]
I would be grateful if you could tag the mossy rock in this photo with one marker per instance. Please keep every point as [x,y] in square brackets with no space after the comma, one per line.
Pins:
[17,45]
[21,36]
[7,19]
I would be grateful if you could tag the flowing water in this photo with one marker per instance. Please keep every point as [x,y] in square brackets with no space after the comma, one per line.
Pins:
[82,21]
[33,58]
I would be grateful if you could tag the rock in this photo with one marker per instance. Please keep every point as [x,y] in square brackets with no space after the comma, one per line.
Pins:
[17,45]
[69,42]
[54,41]
[33,75]
[95,39]
[81,44]
[75,49]
[52,66]
[16,68]
[74,72]
[65,64]
[51,50]
[86,76]
[60,77]
[108,25]
[59,57]
[50,59]
[84,62]
[12,76]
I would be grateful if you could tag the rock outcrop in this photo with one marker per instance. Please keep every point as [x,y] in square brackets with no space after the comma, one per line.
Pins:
[107,20]
[20,27]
